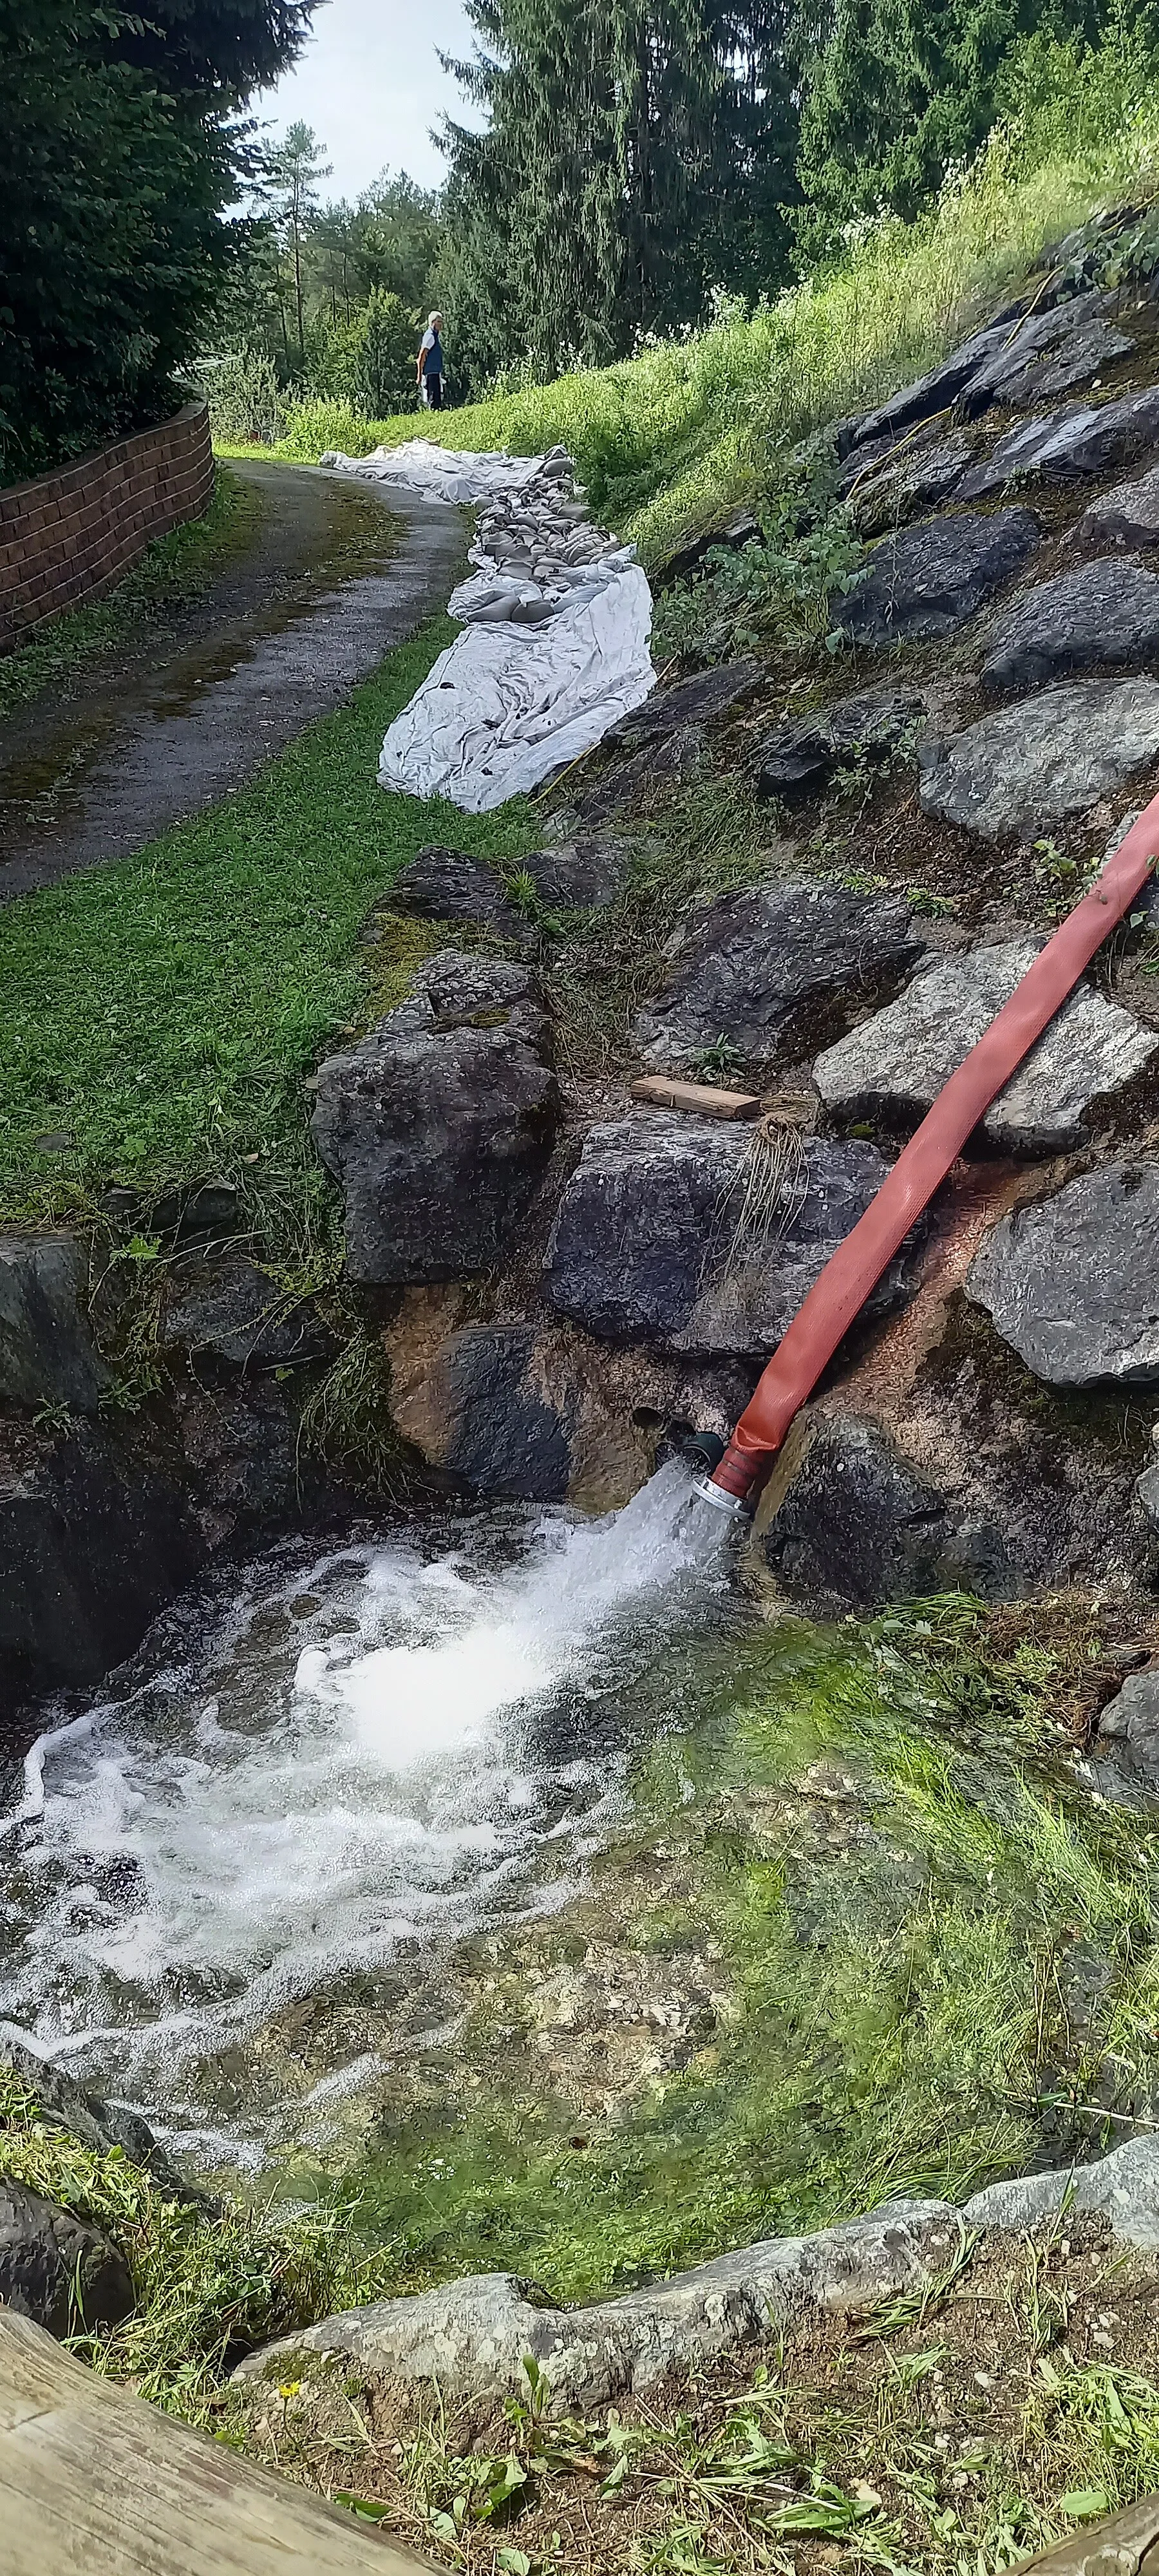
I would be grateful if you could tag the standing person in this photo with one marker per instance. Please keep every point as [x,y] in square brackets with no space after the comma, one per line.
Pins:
[430,366]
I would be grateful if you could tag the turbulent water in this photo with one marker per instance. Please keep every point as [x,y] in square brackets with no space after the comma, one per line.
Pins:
[364,1755]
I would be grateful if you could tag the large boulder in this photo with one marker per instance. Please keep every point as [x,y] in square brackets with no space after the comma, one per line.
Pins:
[1071,445]
[1048,354]
[1026,767]
[856,1524]
[500,1435]
[928,395]
[222,1306]
[1101,616]
[53,2268]
[693,701]
[890,1070]
[774,970]
[1073,1283]
[1127,515]
[473,2336]
[439,884]
[92,1542]
[47,1352]
[439,1124]
[800,758]
[927,580]
[579,874]
[892,483]
[705,1238]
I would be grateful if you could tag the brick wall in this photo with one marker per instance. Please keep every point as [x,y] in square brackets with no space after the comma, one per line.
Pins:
[67,537]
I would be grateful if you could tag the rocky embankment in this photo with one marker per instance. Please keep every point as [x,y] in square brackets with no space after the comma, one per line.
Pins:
[560,1275]
[618,1270]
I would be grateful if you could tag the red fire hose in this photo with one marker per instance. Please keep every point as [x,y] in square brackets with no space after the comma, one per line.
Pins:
[848,1278]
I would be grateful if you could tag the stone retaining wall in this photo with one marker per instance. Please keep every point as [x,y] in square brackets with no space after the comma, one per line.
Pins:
[66,537]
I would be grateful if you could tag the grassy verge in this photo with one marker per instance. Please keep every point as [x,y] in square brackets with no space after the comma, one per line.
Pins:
[173,569]
[157,1016]
[954,2432]
[667,442]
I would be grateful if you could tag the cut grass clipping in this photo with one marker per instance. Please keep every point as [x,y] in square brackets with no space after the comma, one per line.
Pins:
[158,1016]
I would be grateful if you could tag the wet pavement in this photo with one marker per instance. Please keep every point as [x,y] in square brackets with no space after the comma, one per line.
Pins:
[154,731]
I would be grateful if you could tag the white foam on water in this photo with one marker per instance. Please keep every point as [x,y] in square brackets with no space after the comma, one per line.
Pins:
[384,1747]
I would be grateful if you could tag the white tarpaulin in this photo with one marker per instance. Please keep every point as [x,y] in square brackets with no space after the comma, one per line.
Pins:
[555,644]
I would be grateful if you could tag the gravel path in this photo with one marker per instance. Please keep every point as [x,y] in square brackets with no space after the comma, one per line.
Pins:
[155,731]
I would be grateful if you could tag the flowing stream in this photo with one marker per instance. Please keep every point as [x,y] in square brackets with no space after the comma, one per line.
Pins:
[365,1755]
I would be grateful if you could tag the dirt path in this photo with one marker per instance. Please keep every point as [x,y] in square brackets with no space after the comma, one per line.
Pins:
[156,730]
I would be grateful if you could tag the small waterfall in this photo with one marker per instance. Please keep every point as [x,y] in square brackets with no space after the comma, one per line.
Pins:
[387,1746]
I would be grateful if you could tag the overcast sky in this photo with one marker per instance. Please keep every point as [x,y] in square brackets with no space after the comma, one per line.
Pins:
[371,84]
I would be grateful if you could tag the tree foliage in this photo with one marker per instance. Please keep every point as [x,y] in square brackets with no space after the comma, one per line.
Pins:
[119,159]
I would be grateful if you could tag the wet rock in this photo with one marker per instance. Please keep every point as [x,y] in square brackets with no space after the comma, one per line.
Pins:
[94,2123]
[47,1352]
[891,1069]
[223,1307]
[503,1438]
[1047,354]
[1129,1725]
[1128,515]
[472,2336]
[56,2270]
[694,701]
[242,1447]
[1026,767]
[927,580]
[192,1215]
[1073,1283]
[854,1525]
[439,1124]
[92,1543]
[702,1237]
[905,480]
[579,874]
[450,885]
[1100,616]
[1066,446]
[773,968]
[869,726]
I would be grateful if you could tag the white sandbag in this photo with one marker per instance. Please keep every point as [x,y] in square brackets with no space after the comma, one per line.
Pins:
[557,619]
[506,705]
[443,473]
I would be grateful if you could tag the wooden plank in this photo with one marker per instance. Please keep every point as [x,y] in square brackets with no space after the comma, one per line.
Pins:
[702,1098]
[95,2483]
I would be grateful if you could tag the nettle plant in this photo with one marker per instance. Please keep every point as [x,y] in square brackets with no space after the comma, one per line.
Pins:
[780,582]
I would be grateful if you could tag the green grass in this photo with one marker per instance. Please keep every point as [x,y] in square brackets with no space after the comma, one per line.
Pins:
[173,569]
[667,442]
[160,1014]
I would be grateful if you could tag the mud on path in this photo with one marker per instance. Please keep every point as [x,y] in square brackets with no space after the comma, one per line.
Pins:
[160,727]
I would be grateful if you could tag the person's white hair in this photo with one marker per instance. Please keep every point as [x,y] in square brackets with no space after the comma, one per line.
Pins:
[432,318]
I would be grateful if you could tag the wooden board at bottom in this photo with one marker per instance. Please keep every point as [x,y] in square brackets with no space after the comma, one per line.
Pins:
[93,2482]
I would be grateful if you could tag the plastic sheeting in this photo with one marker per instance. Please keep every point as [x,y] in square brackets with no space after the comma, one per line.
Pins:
[555,645]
